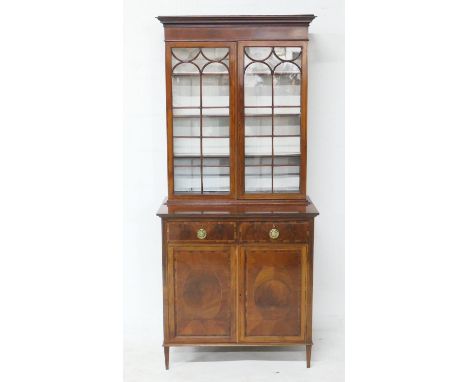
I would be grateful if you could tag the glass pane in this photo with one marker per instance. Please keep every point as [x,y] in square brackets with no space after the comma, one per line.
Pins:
[184,54]
[216,179]
[257,85]
[201,119]
[216,184]
[287,145]
[258,53]
[215,80]
[258,111]
[258,179]
[184,126]
[287,85]
[215,126]
[257,121]
[286,53]
[216,162]
[187,179]
[287,110]
[258,146]
[215,171]
[258,125]
[215,68]
[217,112]
[185,85]
[286,179]
[215,147]
[215,54]
[285,170]
[292,160]
[186,112]
[272,84]
[186,161]
[287,124]
[258,161]
[187,146]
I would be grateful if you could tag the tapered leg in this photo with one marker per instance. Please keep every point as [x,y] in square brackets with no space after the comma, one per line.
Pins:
[308,353]
[166,356]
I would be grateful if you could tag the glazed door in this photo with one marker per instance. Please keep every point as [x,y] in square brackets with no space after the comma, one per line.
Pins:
[201,86]
[273,293]
[202,293]
[272,114]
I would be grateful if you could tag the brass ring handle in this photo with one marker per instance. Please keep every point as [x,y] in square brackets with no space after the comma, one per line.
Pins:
[274,233]
[201,233]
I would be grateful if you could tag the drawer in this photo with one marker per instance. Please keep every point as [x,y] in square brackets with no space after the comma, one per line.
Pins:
[269,232]
[201,231]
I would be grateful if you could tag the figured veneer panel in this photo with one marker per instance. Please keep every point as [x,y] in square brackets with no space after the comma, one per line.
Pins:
[203,291]
[215,231]
[259,232]
[274,293]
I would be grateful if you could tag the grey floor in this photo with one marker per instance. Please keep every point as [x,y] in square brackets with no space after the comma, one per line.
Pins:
[144,361]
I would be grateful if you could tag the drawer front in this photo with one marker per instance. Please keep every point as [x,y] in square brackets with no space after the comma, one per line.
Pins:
[270,232]
[201,231]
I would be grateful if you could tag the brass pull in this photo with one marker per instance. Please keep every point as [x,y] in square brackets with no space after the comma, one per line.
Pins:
[201,233]
[274,233]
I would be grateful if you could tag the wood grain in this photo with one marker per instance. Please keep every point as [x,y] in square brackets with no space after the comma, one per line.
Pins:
[236,28]
[289,232]
[203,290]
[237,286]
[272,286]
[216,231]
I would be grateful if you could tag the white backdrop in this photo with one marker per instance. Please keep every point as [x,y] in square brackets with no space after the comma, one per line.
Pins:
[60,264]
[145,179]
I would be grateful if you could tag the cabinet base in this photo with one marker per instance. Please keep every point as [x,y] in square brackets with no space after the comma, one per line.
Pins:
[166,349]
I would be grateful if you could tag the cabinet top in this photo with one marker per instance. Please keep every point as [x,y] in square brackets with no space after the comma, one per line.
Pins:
[298,20]
[236,28]
[239,209]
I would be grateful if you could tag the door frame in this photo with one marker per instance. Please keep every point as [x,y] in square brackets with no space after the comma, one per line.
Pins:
[240,120]
[305,277]
[172,306]
[232,46]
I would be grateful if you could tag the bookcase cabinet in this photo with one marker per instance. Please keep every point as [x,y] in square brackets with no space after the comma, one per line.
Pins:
[237,225]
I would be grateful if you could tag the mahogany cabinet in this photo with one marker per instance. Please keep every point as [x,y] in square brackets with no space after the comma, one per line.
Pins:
[237,225]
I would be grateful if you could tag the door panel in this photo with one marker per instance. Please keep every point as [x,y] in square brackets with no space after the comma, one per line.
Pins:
[273,295]
[201,98]
[272,119]
[202,293]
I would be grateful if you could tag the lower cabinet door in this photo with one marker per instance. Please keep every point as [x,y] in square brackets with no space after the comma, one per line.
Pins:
[202,293]
[272,282]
